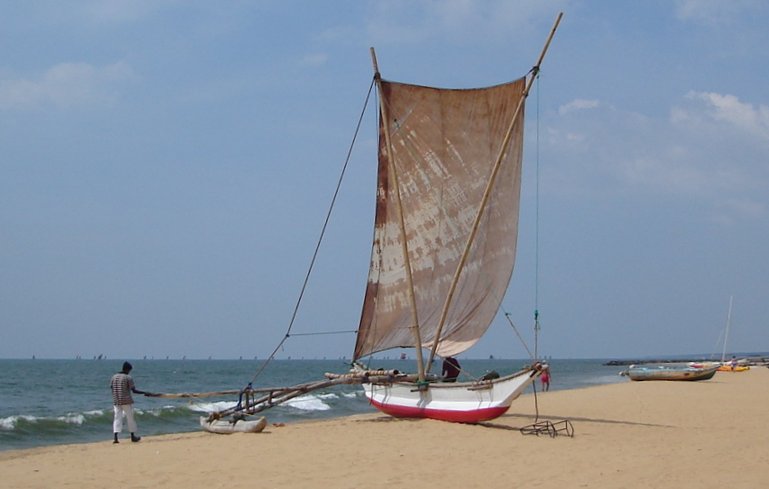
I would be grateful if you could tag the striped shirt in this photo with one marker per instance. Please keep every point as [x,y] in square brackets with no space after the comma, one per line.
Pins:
[122,384]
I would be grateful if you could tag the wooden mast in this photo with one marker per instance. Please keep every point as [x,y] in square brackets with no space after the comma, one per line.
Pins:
[487,193]
[406,261]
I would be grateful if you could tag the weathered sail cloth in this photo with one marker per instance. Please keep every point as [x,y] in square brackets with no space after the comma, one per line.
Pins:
[444,145]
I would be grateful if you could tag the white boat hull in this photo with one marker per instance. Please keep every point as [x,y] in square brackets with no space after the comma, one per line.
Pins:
[222,426]
[461,402]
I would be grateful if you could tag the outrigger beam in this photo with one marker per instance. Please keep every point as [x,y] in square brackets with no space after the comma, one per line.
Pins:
[273,396]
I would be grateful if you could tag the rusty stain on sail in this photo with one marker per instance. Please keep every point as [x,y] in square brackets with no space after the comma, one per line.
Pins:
[444,145]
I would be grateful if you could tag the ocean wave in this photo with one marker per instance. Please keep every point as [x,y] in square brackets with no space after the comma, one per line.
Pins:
[31,423]
[211,407]
[72,419]
[11,423]
[310,402]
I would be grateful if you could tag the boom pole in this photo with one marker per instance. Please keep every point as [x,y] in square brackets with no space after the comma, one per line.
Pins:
[487,192]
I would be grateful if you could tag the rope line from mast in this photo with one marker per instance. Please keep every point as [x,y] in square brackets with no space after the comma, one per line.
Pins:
[507,316]
[536,228]
[536,248]
[319,333]
[320,239]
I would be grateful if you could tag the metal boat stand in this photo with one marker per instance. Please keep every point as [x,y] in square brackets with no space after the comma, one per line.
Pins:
[563,427]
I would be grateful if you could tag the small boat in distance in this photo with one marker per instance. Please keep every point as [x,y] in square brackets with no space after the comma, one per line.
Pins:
[734,365]
[671,372]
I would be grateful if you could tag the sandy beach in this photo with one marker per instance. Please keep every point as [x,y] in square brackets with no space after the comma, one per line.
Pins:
[700,435]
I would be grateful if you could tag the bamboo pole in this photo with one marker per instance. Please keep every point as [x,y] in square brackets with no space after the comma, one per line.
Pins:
[404,242]
[487,193]
[195,395]
[726,332]
[192,395]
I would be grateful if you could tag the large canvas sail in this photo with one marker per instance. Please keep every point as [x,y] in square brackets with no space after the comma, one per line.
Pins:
[443,146]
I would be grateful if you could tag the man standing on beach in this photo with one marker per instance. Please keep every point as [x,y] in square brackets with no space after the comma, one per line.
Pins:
[122,385]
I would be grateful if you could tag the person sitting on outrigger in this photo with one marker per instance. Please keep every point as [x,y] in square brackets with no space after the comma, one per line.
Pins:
[450,369]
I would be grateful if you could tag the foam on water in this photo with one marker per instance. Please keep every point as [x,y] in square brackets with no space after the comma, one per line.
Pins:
[311,403]
[9,423]
[72,419]
[211,407]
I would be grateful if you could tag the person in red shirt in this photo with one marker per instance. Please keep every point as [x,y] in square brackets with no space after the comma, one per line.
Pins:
[545,378]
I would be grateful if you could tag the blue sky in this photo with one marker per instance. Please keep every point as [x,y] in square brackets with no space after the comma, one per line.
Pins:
[166,166]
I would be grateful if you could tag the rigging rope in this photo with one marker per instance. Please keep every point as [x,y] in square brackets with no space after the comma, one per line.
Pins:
[320,240]
[319,333]
[507,316]
[536,233]
[535,356]
[536,251]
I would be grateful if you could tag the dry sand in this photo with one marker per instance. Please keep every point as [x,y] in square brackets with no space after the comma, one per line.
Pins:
[707,434]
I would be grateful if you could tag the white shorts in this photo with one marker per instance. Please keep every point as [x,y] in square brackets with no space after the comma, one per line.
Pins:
[126,410]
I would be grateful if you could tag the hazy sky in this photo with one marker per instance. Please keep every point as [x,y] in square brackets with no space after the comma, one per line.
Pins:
[166,166]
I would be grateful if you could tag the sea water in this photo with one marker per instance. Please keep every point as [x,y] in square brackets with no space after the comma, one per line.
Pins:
[49,402]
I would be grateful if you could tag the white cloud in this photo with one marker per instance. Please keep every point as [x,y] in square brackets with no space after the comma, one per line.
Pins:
[729,109]
[678,170]
[410,20]
[65,85]
[713,12]
[712,150]
[745,207]
[315,59]
[578,104]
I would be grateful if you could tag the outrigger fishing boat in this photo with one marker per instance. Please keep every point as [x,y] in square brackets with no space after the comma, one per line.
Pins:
[671,372]
[444,248]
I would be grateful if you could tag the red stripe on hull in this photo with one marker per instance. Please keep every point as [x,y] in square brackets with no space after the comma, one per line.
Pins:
[474,416]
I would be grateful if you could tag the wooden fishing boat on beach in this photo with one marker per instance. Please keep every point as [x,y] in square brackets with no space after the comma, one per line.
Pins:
[668,372]
[444,248]
[445,236]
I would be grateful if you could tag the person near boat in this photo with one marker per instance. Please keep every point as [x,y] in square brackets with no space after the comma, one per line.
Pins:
[122,385]
[450,369]
[545,378]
